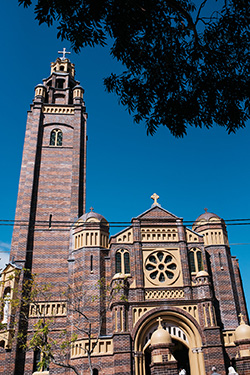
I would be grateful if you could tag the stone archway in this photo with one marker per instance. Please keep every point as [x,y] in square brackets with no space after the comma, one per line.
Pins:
[184,332]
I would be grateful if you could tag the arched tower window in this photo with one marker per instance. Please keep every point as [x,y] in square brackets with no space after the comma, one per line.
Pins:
[56,137]
[195,260]
[122,262]
[95,371]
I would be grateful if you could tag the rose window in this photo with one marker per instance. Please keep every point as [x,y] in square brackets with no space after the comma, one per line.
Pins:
[161,268]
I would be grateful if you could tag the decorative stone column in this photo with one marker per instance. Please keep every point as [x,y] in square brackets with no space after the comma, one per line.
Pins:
[242,340]
[162,360]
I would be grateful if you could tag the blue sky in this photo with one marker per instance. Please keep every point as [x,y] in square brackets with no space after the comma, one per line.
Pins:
[207,168]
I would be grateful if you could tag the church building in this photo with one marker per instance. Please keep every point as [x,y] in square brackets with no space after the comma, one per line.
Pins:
[153,299]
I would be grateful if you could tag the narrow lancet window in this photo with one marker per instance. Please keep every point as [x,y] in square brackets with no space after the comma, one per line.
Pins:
[195,260]
[56,137]
[122,262]
[118,266]
[91,263]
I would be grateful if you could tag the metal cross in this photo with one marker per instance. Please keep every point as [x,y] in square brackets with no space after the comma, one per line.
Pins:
[64,53]
[91,209]
[155,197]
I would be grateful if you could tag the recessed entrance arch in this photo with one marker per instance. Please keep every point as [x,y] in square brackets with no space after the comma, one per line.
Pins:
[184,333]
[181,354]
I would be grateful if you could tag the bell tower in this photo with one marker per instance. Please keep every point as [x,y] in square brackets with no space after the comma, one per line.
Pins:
[52,185]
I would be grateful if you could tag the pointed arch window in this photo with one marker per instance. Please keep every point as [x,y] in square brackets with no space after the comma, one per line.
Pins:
[122,261]
[56,137]
[195,260]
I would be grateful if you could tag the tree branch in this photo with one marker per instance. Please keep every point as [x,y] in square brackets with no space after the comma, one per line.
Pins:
[176,6]
[199,11]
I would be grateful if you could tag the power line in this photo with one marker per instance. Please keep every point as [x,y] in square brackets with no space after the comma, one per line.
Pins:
[116,222]
[59,224]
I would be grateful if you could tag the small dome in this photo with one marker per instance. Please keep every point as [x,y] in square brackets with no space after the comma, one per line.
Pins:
[207,216]
[202,274]
[118,276]
[78,87]
[160,336]
[40,85]
[243,331]
[92,215]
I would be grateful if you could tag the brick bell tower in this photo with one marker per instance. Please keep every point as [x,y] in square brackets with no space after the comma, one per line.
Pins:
[52,185]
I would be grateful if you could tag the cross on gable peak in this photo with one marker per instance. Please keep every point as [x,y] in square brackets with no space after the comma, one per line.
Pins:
[155,197]
[91,209]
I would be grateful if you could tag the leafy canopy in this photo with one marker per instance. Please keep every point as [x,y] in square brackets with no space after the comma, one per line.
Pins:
[185,65]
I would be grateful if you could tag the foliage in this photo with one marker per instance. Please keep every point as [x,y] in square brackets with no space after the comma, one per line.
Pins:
[36,331]
[185,64]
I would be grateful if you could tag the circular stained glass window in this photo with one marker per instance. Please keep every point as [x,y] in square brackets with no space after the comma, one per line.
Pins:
[161,268]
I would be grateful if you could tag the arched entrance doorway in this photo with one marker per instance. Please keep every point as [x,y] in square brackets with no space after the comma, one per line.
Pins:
[185,336]
[181,354]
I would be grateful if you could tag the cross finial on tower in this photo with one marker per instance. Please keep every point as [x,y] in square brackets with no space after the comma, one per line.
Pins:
[159,320]
[205,209]
[155,197]
[91,209]
[64,52]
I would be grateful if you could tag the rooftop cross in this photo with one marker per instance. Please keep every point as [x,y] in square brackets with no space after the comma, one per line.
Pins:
[241,318]
[159,320]
[64,53]
[205,209]
[155,197]
[91,209]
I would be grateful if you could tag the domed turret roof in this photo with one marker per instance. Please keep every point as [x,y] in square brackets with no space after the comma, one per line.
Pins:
[242,332]
[39,85]
[202,274]
[92,215]
[160,336]
[77,87]
[205,217]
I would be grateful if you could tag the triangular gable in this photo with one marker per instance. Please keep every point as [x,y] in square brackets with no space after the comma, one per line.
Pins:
[125,235]
[193,231]
[9,268]
[157,212]
[192,236]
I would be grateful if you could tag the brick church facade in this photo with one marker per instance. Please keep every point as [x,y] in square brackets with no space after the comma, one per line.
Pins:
[156,297]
